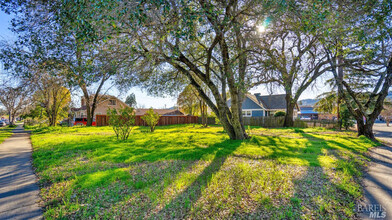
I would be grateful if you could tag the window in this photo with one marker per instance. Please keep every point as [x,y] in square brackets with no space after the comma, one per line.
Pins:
[112,102]
[246,113]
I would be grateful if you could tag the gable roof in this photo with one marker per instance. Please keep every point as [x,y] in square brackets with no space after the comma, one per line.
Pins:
[142,111]
[103,98]
[272,101]
[255,100]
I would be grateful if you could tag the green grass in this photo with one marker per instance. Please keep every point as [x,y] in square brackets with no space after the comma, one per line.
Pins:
[5,132]
[191,172]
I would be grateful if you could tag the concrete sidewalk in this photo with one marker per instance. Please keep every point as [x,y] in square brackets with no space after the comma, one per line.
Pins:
[378,179]
[19,193]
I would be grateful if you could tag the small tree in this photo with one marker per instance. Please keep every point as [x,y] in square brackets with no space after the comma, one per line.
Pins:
[151,118]
[346,118]
[14,99]
[122,121]
[131,100]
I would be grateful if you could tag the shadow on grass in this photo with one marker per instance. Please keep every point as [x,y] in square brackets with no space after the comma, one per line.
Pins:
[181,204]
[157,147]
[318,195]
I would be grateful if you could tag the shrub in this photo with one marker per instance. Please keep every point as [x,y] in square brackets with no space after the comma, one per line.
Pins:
[279,114]
[122,121]
[151,118]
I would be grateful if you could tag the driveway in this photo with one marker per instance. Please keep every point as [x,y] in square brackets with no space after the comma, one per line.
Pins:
[378,179]
[19,193]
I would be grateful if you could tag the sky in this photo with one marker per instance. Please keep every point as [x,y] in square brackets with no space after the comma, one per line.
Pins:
[145,100]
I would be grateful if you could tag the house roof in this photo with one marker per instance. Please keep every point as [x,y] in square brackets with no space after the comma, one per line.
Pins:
[143,111]
[79,109]
[255,100]
[307,110]
[100,99]
[272,101]
[103,98]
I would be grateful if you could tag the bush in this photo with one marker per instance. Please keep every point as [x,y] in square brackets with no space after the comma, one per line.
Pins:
[279,114]
[151,118]
[122,121]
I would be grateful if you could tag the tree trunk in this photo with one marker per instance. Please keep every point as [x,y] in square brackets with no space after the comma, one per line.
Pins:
[88,112]
[10,119]
[236,120]
[90,122]
[90,108]
[340,78]
[54,119]
[50,120]
[366,129]
[204,116]
[203,111]
[289,117]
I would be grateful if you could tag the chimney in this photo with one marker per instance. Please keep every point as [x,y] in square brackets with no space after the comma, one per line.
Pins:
[257,94]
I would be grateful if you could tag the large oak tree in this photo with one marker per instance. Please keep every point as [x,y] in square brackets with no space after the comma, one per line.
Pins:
[202,43]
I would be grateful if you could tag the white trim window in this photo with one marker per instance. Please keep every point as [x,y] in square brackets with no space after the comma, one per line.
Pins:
[246,113]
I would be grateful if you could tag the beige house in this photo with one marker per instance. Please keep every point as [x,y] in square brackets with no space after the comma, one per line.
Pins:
[104,103]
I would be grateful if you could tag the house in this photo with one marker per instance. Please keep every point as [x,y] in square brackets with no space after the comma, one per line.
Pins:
[309,113]
[104,103]
[257,105]
[162,112]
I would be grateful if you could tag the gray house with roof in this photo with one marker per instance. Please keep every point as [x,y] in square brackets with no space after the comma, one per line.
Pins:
[257,105]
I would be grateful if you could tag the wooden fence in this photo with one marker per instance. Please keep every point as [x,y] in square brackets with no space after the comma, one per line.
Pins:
[102,120]
[267,122]
[275,122]
[210,120]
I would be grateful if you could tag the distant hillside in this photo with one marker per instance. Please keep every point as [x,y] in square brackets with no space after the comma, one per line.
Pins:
[307,102]
[173,108]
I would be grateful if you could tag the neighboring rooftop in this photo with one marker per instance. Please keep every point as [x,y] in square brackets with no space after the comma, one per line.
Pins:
[272,101]
[307,110]
[164,112]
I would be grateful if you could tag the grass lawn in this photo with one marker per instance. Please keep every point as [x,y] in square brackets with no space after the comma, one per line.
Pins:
[191,172]
[5,132]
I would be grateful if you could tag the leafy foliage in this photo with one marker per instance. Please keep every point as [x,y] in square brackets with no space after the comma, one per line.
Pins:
[279,114]
[346,118]
[151,118]
[122,121]
[131,100]
[327,103]
[55,100]
[188,100]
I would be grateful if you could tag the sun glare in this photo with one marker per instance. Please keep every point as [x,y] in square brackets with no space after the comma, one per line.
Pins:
[261,28]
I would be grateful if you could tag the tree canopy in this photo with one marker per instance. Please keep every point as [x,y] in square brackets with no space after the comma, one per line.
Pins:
[222,49]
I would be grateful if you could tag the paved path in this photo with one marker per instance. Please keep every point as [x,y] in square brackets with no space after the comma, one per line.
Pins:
[19,192]
[378,179]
